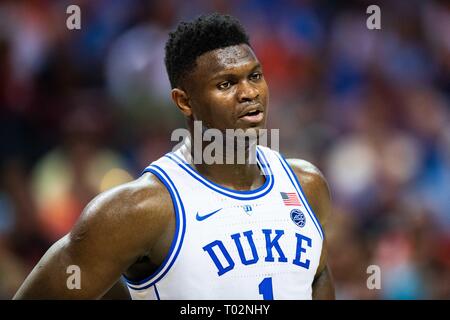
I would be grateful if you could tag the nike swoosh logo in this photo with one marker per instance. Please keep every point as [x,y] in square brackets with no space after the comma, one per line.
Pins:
[201,218]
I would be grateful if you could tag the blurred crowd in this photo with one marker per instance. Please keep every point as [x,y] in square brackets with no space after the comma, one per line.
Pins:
[84,110]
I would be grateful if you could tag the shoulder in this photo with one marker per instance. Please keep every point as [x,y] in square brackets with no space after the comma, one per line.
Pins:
[315,187]
[132,215]
[308,174]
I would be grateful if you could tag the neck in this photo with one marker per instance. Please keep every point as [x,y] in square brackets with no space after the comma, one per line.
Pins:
[238,177]
[242,175]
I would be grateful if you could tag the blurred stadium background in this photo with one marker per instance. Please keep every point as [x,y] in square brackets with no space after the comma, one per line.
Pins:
[82,111]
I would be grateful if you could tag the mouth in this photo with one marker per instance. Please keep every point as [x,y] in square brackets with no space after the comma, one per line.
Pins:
[255,115]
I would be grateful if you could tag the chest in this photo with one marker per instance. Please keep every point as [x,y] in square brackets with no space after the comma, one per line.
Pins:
[233,237]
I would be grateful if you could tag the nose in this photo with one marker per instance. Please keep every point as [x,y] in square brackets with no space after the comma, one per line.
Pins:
[247,92]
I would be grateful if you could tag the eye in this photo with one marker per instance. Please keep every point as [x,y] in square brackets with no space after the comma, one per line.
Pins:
[256,76]
[224,85]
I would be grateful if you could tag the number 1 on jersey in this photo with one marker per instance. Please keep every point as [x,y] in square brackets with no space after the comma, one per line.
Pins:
[266,289]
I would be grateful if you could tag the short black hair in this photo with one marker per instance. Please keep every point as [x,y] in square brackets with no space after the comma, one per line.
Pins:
[192,39]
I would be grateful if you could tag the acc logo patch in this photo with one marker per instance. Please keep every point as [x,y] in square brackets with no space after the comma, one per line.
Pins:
[298,218]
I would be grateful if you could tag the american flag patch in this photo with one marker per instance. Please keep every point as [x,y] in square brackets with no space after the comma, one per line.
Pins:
[290,199]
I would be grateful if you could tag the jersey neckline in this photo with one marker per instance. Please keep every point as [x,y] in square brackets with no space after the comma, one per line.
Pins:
[263,165]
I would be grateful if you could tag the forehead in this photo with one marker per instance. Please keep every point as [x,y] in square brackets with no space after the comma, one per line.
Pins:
[227,58]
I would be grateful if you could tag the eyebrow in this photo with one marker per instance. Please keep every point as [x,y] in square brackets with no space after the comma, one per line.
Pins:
[227,72]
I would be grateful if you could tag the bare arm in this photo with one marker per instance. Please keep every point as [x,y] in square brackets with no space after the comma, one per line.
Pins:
[316,189]
[323,287]
[115,229]
[119,291]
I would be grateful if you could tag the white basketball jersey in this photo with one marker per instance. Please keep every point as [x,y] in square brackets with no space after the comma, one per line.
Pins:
[228,244]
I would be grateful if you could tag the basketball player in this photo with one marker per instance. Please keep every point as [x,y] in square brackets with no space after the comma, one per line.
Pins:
[199,231]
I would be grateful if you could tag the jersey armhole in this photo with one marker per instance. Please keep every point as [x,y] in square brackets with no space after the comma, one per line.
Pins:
[177,242]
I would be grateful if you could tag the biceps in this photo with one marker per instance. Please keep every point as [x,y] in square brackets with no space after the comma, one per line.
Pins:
[323,287]
[65,273]
[323,259]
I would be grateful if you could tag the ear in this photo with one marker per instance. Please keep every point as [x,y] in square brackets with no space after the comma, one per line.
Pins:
[181,99]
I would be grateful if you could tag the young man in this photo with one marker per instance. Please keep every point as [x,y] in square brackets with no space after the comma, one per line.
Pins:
[188,230]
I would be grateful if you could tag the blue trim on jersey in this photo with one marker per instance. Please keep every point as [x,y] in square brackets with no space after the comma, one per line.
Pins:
[208,182]
[300,192]
[236,194]
[265,163]
[156,292]
[180,219]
